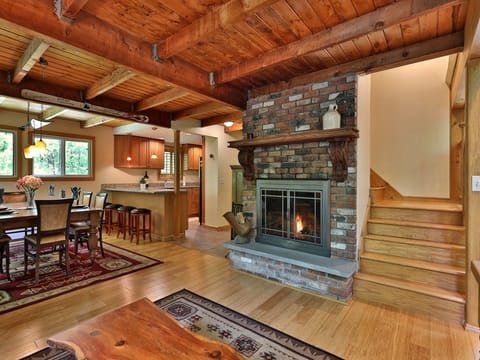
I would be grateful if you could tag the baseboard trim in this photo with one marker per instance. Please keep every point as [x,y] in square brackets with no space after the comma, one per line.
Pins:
[472,328]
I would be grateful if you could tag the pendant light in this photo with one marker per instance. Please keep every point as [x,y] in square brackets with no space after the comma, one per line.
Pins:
[40,145]
[30,150]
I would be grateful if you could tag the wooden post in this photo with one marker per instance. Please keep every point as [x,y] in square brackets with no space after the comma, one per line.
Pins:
[472,199]
[457,154]
[176,181]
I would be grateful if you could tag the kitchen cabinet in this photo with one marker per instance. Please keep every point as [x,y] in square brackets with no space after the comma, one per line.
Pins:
[193,201]
[136,152]
[155,159]
[194,154]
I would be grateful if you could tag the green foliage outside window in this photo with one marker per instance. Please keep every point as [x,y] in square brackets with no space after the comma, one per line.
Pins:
[7,152]
[64,157]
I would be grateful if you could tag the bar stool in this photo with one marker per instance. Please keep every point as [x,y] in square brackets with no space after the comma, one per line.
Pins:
[111,217]
[124,220]
[146,218]
[5,250]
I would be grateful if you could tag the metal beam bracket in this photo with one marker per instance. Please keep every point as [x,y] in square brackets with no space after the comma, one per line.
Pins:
[211,78]
[58,11]
[155,54]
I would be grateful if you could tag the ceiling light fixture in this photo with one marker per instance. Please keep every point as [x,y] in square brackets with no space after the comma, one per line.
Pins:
[40,145]
[37,124]
[228,123]
[29,151]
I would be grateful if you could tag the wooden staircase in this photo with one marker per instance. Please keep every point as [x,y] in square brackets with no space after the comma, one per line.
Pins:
[413,258]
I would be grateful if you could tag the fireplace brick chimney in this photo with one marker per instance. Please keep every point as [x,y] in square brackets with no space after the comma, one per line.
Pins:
[300,109]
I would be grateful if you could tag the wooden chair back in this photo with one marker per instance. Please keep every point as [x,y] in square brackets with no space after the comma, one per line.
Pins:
[100,200]
[53,216]
[86,198]
[14,197]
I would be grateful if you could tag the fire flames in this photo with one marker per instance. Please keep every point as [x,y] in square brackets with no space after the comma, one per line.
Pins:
[299,229]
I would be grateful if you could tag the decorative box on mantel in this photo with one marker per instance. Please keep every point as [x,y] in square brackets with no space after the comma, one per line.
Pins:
[338,141]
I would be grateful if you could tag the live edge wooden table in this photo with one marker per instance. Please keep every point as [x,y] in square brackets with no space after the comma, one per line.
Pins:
[140,330]
[21,217]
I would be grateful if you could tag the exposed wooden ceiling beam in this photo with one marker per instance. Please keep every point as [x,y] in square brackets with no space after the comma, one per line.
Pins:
[219,17]
[156,117]
[425,50]
[31,55]
[95,121]
[235,116]
[114,45]
[198,110]
[375,21]
[116,77]
[161,98]
[70,8]
[52,112]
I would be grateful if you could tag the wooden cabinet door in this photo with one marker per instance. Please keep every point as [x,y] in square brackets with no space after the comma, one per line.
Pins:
[194,153]
[155,157]
[193,201]
[121,151]
[138,148]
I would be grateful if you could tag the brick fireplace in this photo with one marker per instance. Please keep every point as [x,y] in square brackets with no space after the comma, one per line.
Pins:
[284,141]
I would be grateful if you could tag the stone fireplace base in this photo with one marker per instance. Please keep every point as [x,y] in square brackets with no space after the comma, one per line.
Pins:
[328,277]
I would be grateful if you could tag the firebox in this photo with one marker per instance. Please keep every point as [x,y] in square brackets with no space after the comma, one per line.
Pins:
[294,214]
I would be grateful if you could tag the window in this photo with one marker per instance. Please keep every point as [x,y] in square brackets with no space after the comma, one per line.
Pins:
[8,151]
[69,157]
[169,163]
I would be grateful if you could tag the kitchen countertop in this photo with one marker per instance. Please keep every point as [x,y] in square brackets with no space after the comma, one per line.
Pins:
[154,188]
[146,191]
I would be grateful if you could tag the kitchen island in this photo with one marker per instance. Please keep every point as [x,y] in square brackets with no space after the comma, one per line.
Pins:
[169,208]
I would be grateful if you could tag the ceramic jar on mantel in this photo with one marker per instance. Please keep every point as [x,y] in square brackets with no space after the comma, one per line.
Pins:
[331,119]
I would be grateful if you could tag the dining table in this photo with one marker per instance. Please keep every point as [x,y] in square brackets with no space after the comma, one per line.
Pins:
[18,216]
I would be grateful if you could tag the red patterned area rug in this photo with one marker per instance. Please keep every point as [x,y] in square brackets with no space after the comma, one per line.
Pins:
[252,339]
[22,290]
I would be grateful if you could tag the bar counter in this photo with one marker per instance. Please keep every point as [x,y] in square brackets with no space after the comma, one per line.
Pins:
[169,209]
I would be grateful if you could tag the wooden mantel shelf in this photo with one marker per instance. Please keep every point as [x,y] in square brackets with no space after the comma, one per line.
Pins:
[295,138]
[338,140]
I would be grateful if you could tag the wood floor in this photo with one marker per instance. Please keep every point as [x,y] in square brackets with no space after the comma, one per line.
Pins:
[354,331]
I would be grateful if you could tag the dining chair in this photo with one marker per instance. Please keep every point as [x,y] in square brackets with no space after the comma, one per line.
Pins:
[79,230]
[86,198]
[5,253]
[16,197]
[83,228]
[51,235]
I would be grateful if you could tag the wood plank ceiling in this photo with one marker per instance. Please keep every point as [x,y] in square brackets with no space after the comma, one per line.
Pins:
[202,59]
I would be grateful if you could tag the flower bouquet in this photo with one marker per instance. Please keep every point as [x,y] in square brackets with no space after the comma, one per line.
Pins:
[29,184]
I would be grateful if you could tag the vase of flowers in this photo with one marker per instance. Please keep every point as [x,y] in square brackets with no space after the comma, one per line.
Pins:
[30,184]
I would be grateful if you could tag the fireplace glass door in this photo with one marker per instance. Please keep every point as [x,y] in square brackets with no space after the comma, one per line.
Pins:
[294,214]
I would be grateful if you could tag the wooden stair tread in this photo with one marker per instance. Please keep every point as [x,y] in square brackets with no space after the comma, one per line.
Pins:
[414,287]
[426,265]
[443,245]
[416,224]
[420,205]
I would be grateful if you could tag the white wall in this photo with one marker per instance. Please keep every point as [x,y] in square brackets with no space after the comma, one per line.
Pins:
[363,150]
[410,128]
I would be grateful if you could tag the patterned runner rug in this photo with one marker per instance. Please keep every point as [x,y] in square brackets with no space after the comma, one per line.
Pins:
[252,339]
[22,290]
